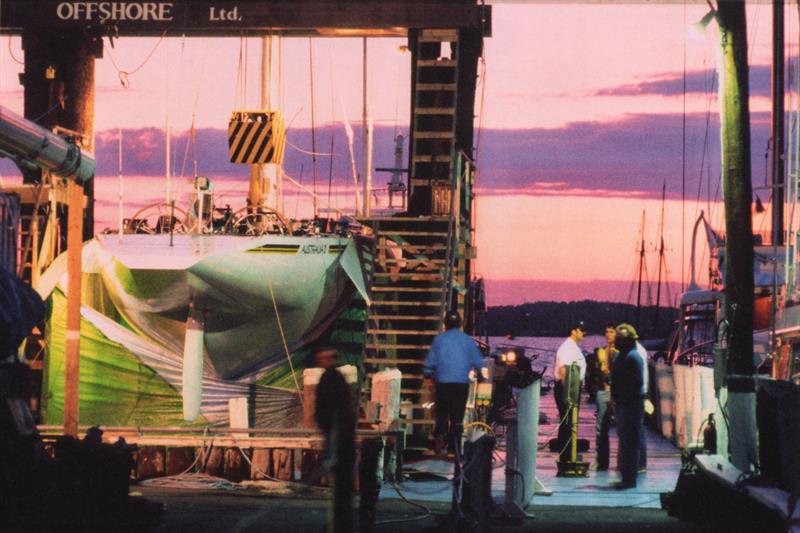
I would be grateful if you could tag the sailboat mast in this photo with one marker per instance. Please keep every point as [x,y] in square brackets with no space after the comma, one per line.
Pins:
[366,145]
[660,254]
[778,111]
[641,268]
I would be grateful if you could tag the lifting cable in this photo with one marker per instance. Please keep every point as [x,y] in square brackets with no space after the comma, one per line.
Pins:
[285,346]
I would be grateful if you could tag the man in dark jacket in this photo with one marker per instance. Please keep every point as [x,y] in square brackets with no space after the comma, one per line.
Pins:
[626,393]
[335,415]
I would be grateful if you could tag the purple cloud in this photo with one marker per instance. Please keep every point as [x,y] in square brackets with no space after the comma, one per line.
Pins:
[631,156]
[697,82]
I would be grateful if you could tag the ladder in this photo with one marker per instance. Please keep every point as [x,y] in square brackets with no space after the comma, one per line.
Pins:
[434,121]
[409,284]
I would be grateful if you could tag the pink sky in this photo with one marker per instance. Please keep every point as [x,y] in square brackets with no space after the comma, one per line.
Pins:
[548,67]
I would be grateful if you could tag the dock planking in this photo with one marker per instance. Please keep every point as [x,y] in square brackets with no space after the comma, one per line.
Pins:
[597,489]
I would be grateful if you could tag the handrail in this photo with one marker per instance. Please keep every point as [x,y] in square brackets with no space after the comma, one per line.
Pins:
[692,349]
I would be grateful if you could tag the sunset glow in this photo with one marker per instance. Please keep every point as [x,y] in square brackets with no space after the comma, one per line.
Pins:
[581,109]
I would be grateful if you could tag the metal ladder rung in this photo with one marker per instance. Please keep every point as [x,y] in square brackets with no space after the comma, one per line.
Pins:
[378,331]
[449,87]
[444,63]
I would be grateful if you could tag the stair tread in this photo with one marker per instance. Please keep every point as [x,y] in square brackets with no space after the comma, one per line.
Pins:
[409,276]
[433,135]
[438,35]
[403,375]
[406,289]
[390,361]
[434,110]
[404,317]
[425,182]
[428,158]
[436,86]
[410,233]
[422,219]
[380,331]
[445,63]
[376,303]
[397,346]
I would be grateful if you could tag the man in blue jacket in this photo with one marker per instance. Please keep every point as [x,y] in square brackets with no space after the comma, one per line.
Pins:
[451,357]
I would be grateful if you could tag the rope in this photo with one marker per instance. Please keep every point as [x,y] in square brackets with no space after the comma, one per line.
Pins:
[311,152]
[125,74]
[257,469]
[283,339]
[11,53]
[193,481]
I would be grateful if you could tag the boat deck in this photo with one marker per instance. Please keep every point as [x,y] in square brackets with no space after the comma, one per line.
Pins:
[663,467]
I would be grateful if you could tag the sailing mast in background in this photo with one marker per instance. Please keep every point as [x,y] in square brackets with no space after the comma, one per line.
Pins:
[265,179]
[642,269]
[662,261]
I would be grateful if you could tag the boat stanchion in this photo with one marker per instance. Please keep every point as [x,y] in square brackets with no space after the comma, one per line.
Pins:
[192,393]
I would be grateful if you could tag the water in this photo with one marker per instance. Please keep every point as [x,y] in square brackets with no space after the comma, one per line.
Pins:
[544,348]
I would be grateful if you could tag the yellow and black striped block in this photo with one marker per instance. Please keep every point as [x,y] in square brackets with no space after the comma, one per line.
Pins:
[256,137]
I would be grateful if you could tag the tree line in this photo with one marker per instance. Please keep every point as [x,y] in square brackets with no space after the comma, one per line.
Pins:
[553,319]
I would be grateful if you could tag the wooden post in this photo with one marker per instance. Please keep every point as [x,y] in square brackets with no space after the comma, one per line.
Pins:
[739,227]
[59,90]
[73,334]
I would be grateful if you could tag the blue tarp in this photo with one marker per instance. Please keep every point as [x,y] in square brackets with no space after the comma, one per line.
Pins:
[21,309]
[9,222]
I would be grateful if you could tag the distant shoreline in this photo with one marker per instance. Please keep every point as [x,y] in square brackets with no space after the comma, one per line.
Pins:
[552,319]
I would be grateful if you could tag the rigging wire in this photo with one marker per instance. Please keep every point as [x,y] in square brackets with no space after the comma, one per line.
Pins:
[683,161]
[313,126]
[311,152]
[192,130]
[333,125]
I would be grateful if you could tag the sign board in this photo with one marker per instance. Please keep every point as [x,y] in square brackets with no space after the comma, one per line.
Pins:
[227,17]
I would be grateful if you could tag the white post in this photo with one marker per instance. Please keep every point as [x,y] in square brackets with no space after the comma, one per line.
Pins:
[119,183]
[192,374]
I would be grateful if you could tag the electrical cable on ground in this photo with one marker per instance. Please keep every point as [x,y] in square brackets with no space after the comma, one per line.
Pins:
[408,519]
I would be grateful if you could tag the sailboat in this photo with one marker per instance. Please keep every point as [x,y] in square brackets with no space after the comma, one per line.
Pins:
[210,301]
[757,457]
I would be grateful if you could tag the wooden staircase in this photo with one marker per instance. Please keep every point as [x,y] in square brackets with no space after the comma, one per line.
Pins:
[421,258]
[409,296]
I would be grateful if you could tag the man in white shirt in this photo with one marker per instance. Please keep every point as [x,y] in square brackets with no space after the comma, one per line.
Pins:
[568,353]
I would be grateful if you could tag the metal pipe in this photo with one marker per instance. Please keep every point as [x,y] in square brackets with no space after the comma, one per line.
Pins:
[28,143]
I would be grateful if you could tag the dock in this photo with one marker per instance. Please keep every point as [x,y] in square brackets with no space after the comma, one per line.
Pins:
[596,490]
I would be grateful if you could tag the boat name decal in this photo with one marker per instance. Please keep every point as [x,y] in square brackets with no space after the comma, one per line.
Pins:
[103,11]
[315,249]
